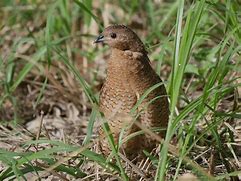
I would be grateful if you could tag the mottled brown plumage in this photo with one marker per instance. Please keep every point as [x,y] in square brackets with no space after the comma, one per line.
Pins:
[129,75]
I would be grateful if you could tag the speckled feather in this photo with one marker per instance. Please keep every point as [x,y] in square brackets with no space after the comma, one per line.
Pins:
[129,75]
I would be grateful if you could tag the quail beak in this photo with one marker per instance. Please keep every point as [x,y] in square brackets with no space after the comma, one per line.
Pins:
[100,38]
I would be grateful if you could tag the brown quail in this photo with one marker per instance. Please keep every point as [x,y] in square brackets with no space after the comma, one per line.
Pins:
[129,75]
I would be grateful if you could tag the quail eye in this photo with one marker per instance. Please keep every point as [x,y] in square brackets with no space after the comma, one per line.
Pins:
[113,35]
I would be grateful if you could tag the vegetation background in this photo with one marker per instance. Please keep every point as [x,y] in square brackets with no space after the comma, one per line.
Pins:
[51,74]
